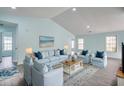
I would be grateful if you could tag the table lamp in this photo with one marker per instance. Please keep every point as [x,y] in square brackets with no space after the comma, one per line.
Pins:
[66,48]
[29,51]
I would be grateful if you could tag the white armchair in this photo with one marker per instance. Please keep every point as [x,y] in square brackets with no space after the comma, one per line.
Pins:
[51,78]
[85,58]
[100,62]
[45,75]
[27,69]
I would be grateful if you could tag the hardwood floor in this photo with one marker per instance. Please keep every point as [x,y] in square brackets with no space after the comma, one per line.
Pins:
[105,76]
[102,77]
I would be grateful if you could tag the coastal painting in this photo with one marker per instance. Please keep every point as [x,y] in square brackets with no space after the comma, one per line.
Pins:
[46,41]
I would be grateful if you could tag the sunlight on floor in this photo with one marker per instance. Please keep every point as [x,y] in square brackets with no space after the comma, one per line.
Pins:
[6,62]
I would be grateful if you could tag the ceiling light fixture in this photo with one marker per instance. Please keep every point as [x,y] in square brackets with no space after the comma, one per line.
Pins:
[74,9]
[87,26]
[13,7]
[89,31]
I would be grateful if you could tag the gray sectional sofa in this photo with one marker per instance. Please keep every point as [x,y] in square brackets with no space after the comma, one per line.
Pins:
[41,71]
[52,57]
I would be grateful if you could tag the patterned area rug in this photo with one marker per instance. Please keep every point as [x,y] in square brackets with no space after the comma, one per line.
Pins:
[79,79]
[7,73]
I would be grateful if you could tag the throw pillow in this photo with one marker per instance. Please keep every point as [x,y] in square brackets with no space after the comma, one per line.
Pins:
[62,52]
[100,54]
[56,52]
[45,54]
[35,54]
[38,55]
[84,52]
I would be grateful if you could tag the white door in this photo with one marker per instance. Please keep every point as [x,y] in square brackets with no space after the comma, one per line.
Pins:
[7,43]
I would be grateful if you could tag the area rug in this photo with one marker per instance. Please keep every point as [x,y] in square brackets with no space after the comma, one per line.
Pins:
[7,73]
[78,79]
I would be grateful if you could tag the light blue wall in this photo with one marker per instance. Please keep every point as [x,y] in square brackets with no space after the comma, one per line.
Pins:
[29,30]
[96,42]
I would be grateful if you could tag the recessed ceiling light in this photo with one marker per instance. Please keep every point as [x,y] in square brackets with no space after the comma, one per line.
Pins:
[74,9]
[13,7]
[87,26]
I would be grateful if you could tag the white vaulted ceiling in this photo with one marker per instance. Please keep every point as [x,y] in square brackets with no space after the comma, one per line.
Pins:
[40,12]
[100,19]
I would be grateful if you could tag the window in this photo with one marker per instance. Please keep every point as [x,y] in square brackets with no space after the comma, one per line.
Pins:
[80,43]
[72,44]
[7,43]
[111,43]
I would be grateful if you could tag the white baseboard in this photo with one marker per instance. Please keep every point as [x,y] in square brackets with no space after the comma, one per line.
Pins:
[114,58]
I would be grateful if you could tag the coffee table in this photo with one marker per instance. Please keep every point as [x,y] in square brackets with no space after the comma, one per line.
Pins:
[71,67]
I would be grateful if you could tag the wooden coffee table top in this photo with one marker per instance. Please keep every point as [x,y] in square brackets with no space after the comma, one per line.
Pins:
[69,63]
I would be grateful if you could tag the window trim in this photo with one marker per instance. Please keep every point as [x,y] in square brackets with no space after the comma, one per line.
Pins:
[78,43]
[116,44]
[73,44]
[5,45]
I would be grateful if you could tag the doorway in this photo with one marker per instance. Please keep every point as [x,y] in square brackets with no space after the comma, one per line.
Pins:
[7,44]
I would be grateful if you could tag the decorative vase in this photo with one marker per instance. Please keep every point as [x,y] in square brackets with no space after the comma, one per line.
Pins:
[74,57]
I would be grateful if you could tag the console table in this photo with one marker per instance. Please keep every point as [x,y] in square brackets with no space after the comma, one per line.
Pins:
[120,78]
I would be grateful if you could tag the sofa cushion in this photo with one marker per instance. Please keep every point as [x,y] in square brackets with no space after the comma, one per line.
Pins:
[63,56]
[62,52]
[53,58]
[84,52]
[98,60]
[100,54]
[45,54]
[81,56]
[41,67]
[43,60]
[51,53]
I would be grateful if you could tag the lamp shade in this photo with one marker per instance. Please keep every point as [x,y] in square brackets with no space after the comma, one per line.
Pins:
[65,46]
[28,50]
